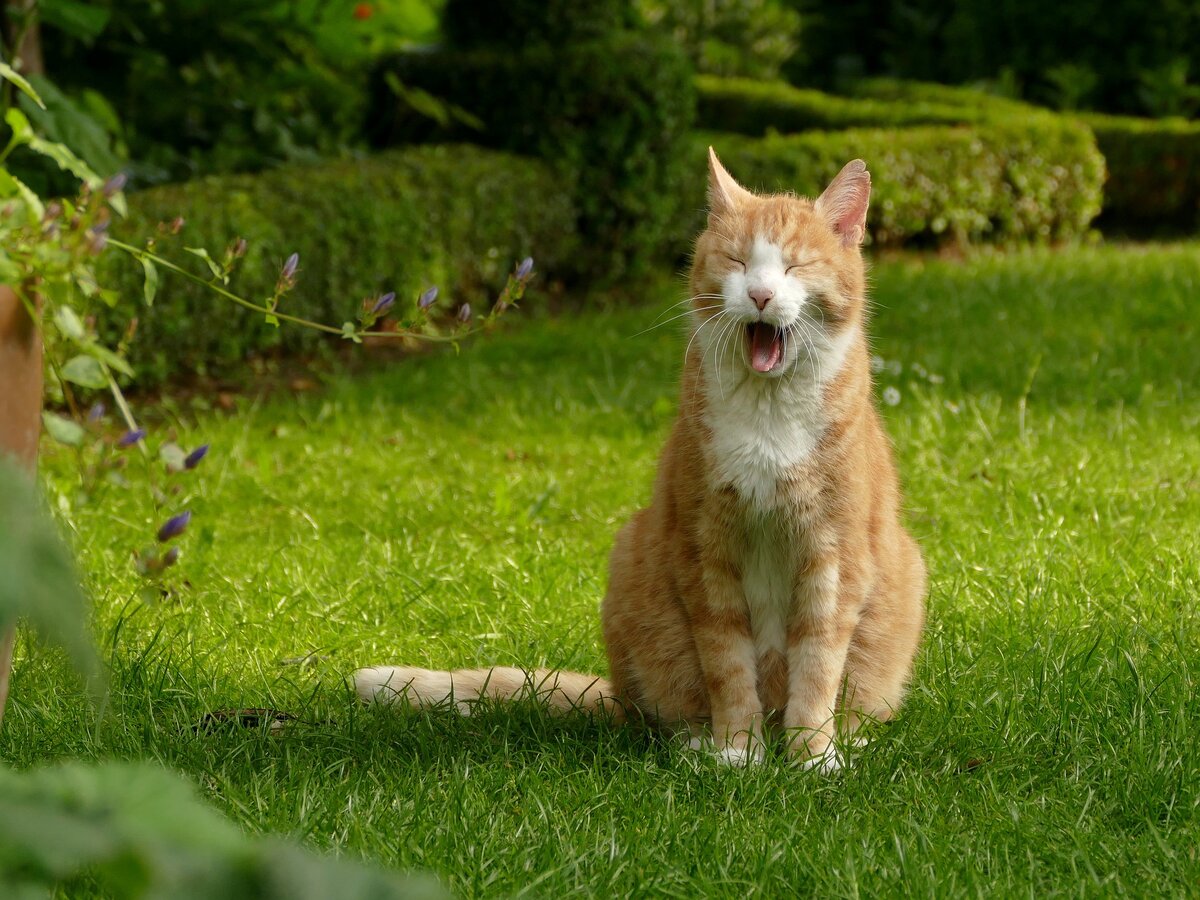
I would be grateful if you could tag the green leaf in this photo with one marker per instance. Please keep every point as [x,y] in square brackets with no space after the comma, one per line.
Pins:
[11,184]
[63,429]
[150,286]
[39,582]
[271,319]
[68,323]
[19,123]
[85,371]
[66,160]
[80,20]
[213,265]
[350,332]
[8,73]
[110,359]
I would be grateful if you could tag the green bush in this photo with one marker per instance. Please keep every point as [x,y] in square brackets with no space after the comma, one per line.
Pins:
[614,114]
[754,107]
[752,38]
[519,23]
[1153,171]
[453,216]
[1031,181]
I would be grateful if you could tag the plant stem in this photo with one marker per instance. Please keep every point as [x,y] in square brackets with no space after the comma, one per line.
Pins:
[139,253]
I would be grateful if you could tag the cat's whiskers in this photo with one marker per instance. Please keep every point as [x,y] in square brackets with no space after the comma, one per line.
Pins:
[676,318]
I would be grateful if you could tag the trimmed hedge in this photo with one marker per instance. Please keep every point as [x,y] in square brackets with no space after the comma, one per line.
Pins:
[746,106]
[454,216]
[1034,181]
[614,114]
[1153,171]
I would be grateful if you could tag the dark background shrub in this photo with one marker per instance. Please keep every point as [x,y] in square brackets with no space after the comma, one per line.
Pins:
[614,114]
[513,24]
[1153,172]
[454,216]
[751,38]
[1131,56]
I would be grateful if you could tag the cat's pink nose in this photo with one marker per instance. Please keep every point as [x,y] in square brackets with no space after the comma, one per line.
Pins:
[761,297]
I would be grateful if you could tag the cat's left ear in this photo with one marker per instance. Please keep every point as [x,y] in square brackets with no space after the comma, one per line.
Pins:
[724,194]
[844,203]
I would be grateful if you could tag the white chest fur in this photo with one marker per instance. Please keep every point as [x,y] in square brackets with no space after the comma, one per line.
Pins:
[763,427]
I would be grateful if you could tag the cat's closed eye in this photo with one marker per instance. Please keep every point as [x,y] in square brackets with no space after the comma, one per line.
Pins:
[734,259]
[808,263]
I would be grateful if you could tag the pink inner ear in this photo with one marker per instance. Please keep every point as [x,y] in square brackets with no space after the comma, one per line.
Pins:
[845,201]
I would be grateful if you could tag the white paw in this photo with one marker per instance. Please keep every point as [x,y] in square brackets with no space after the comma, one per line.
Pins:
[740,756]
[830,760]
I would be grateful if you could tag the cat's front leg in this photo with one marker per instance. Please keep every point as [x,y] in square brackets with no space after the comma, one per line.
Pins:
[818,638]
[720,624]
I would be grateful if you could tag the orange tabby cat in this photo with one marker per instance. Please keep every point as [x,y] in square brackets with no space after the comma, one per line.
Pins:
[770,581]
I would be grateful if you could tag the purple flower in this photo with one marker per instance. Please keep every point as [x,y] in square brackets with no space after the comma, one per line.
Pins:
[384,303]
[97,241]
[115,185]
[129,438]
[193,459]
[170,557]
[174,526]
[96,413]
[290,267]
[525,268]
[464,313]
[428,298]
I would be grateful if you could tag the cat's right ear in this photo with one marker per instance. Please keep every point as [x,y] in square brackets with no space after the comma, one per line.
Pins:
[724,194]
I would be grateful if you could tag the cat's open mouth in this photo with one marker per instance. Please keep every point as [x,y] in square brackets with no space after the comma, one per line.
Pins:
[766,346]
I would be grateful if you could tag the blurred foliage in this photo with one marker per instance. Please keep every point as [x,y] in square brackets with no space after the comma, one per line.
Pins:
[513,24]
[1126,56]
[611,114]
[39,584]
[1153,172]
[134,830]
[453,216]
[248,85]
[1026,180]
[753,38]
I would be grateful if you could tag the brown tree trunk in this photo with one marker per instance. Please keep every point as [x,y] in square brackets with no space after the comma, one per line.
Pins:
[28,55]
[20,415]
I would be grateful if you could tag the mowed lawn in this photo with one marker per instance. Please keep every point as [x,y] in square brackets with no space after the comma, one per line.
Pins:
[458,510]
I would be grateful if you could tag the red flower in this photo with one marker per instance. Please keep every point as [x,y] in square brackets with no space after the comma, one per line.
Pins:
[363,11]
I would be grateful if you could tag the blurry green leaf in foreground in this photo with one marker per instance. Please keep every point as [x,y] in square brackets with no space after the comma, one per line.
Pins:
[39,583]
[135,830]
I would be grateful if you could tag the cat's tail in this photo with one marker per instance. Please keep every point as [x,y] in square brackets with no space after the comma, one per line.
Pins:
[559,691]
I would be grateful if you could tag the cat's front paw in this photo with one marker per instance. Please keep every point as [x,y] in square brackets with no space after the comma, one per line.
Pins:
[730,755]
[828,761]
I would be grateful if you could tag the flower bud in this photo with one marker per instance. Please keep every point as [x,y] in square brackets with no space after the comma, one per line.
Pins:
[525,268]
[290,267]
[115,185]
[174,526]
[129,438]
[464,313]
[193,459]
[428,298]
[384,303]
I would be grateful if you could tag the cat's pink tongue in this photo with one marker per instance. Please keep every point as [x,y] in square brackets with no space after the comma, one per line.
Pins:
[766,346]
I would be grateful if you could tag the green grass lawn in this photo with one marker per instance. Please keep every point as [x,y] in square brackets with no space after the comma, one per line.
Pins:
[448,511]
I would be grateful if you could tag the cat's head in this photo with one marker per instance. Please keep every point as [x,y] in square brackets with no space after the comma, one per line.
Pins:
[775,277]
